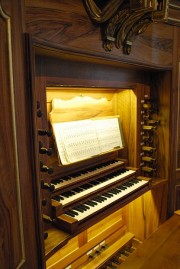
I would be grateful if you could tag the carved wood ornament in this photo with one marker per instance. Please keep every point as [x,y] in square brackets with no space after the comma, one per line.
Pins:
[121,20]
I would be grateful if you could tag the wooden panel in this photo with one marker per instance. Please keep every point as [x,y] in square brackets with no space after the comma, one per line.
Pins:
[58,68]
[81,103]
[177,195]
[53,23]
[107,226]
[175,130]
[8,198]
[18,242]
[146,213]
[11,234]
[127,109]
[160,91]
[108,230]
[178,114]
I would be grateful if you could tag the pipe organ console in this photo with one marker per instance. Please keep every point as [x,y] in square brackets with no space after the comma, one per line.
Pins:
[97,198]
[79,196]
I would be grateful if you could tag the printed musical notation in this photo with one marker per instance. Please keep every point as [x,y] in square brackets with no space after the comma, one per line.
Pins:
[82,139]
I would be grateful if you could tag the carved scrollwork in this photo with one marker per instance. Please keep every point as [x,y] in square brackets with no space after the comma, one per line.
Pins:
[102,14]
[120,22]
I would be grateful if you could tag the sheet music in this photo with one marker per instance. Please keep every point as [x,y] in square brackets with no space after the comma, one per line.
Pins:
[76,140]
[108,133]
[79,140]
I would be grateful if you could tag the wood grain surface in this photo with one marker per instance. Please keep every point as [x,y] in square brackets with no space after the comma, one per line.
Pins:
[66,25]
[160,250]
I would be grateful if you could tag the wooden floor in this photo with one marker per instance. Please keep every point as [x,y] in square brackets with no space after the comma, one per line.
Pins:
[161,250]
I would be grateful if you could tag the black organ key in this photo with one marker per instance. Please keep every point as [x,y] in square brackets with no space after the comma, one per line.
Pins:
[102,179]
[117,191]
[86,186]
[114,191]
[83,172]
[91,169]
[85,206]
[57,198]
[123,187]
[75,175]
[70,213]
[56,181]
[67,194]
[82,207]
[73,213]
[103,198]
[77,189]
[66,178]
[95,182]
[108,195]
[77,209]
[128,184]
[131,182]
[97,200]
[91,203]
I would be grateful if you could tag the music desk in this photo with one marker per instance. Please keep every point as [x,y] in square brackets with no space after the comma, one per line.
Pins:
[161,250]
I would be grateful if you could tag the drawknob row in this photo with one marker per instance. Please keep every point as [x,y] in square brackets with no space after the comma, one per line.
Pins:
[43,167]
[148,131]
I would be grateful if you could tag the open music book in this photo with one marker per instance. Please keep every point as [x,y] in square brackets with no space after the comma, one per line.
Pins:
[78,140]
